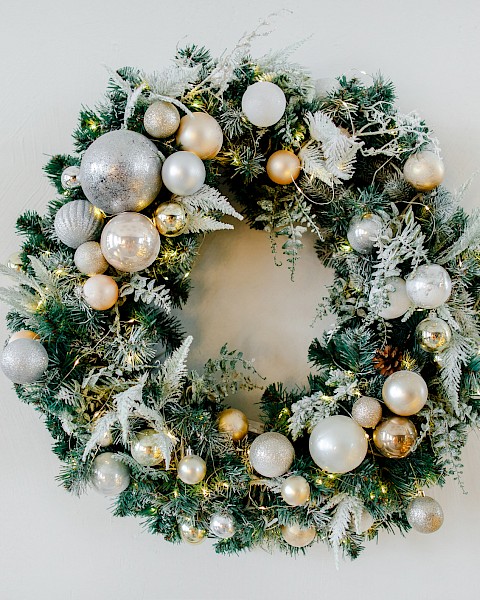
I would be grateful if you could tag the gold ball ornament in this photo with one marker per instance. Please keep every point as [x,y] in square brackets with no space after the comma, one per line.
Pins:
[298,536]
[89,259]
[283,167]
[146,449]
[405,393]
[395,437]
[201,134]
[161,119]
[367,411]
[191,469]
[24,334]
[100,292]
[424,171]
[424,514]
[190,533]
[295,490]
[234,422]
[170,219]
[433,334]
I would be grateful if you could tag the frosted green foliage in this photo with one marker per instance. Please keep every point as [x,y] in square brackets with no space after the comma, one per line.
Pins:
[147,291]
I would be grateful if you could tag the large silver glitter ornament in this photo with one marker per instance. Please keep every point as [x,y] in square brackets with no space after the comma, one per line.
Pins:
[433,334]
[367,411]
[271,454]
[130,242]
[120,172]
[190,533]
[191,469]
[161,119]
[263,103]
[424,170]
[146,449]
[362,231]
[70,178]
[425,514]
[429,287]
[170,218]
[24,360]
[297,536]
[395,437]
[89,259]
[78,222]
[338,444]
[405,393]
[295,490]
[222,526]
[399,302]
[109,476]
[183,173]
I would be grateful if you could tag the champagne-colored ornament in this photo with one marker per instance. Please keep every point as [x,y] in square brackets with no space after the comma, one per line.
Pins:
[14,262]
[191,469]
[109,476]
[433,334]
[233,422]
[222,526]
[146,449]
[398,299]
[424,170]
[271,454]
[405,393]
[89,259]
[283,167]
[78,222]
[106,439]
[70,178]
[297,536]
[190,533]
[171,219]
[395,437]
[24,360]
[201,134]
[24,334]
[367,411]
[100,292]
[161,119]
[424,514]
[362,232]
[295,490]
[264,103]
[183,173]
[429,287]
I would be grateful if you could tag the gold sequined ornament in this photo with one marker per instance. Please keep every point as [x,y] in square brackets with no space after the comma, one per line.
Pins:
[367,411]
[295,490]
[89,259]
[297,536]
[146,449]
[201,134]
[190,533]
[100,292]
[395,437]
[433,334]
[161,119]
[171,219]
[192,468]
[271,454]
[233,422]
[425,514]
[424,170]
[283,167]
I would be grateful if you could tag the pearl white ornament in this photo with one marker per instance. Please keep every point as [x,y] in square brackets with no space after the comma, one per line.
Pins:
[362,231]
[146,449]
[264,103]
[201,134]
[424,514]
[223,526]
[100,292]
[424,170]
[298,536]
[271,454]
[295,490]
[183,173]
[405,393]
[89,259]
[429,287]
[398,299]
[191,469]
[109,477]
[24,360]
[70,178]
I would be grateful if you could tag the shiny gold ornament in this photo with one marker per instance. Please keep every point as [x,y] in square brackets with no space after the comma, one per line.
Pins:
[298,536]
[15,262]
[171,219]
[424,514]
[283,167]
[190,533]
[367,411]
[424,170]
[161,119]
[295,490]
[24,334]
[100,292]
[234,422]
[433,334]
[395,437]
[201,134]
[146,449]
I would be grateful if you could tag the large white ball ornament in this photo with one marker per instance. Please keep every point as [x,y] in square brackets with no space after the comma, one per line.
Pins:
[405,393]
[338,444]
[297,536]
[362,232]
[109,476]
[424,170]
[429,287]
[24,360]
[398,299]
[271,454]
[183,173]
[263,103]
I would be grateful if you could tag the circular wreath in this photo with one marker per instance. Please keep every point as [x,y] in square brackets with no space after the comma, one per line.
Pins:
[97,351]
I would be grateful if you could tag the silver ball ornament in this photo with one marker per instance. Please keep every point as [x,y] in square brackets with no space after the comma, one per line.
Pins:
[424,170]
[120,172]
[263,103]
[24,360]
[161,119]
[271,454]
[367,411]
[109,476]
[297,536]
[222,526]
[398,299]
[424,514]
[405,393]
[170,218]
[362,231]
[146,449]
[78,222]
[429,287]
[190,533]
[295,490]
[338,444]
[395,437]
[70,178]
[89,259]
[130,242]
[433,334]
[191,469]
[183,173]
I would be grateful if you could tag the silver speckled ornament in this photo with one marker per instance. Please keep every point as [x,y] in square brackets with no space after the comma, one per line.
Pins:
[222,525]
[109,476]
[121,171]
[433,334]
[367,411]
[429,287]
[295,490]
[405,393]
[395,437]
[70,178]
[183,173]
[24,360]
[170,218]
[78,222]
[271,454]
[190,533]
[362,231]
[298,536]
[425,514]
[89,259]
[191,469]
[161,119]
[146,449]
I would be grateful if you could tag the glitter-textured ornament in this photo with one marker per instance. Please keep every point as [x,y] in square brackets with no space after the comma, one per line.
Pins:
[424,514]
[146,449]
[429,287]
[338,444]
[264,103]
[283,167]
[78,222]
[271,454]
[222,526]
[24,360]
[190,533]
[424,170]
[109,476]
[233,422]
[171,218]
[183,173]
[191,469]
[362,231]
[433,334]
[395,437]
[130,242]
[14,262]
[367,411]
[24,334]
[201,134]
[120,172]
[399,302]
[405,393]
[295,490]
[161,119]
[70,178]
[100,292]
[297,536]
[89,259]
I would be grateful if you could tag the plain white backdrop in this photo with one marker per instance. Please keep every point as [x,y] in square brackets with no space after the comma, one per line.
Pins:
[54,546]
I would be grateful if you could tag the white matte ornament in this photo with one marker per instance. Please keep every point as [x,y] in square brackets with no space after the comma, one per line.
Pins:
[264,103]
[338,444]
[362,232]
[183,173]
[424,514]
[424,170]
[295,490]
[271,454]
[77,222]
[24,360]
[89,259]
[405,393]
[146,449]
[70,178]
[109,477]
[191,469]
[298,536]
[429,287]
[398,299]
[222,526]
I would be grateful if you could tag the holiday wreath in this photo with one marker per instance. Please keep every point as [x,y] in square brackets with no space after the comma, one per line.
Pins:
[97,351]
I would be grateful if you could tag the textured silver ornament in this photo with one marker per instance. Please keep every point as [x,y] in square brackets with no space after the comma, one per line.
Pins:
[109,476]
[271,454]
[298,536]
[170,218]
[295,490]
[89,259]
[264,103]
[405,393]
[24,360]
[190,533]
[161,119]
[425,514]
[222,525]
[183,173]
[121,171]
[362,231]
[70,178]
[191,469]
[78,222]
[367,411]
[429,287]
[146,449]
[433,334]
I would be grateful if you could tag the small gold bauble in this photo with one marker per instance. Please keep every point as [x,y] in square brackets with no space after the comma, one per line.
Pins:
[201,134]
[24,334]
[190,533]
[424,170]
[170,219]
[100,292]
[298,536]
[433,334]
[283,167]
[395,437]
[234,422]
[367,411]
[295,490]
[161,119]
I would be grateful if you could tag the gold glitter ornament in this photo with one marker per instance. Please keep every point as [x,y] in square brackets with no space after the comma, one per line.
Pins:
[283,167]
[233,422]
[89,259]
[424,514]
[395,437]
[367,411]
[161,119]
[201,134]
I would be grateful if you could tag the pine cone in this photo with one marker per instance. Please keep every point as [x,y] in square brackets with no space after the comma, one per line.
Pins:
[388,360]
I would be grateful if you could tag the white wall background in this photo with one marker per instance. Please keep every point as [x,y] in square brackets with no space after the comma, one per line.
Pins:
[53,546]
